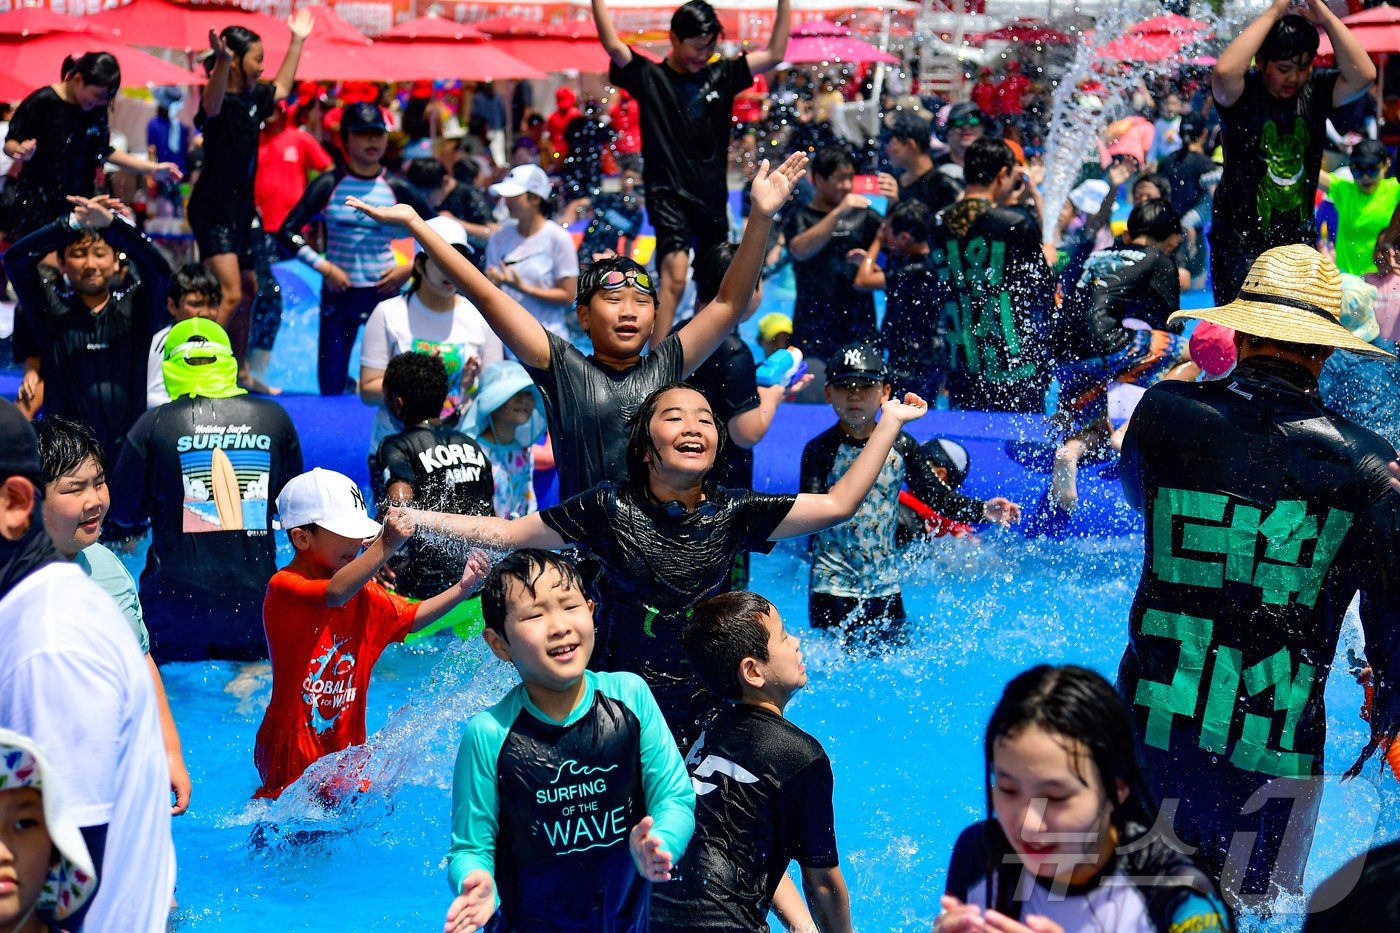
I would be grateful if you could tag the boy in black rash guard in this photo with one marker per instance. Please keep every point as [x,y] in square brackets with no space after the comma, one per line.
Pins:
[855,579]
[429,465]
[763,786]
[685,104]
[205,469]
[912,331]
[668,538]
[588,400]
[569,798]
[89,340]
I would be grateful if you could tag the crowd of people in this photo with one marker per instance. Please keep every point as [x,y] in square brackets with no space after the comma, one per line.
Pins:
[645,756]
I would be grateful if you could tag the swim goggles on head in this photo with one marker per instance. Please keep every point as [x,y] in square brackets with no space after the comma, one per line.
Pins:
[959,123]
[638,280]
[1365,168]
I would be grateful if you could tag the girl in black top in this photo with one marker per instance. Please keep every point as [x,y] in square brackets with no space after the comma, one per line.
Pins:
[59,136]
[668,538]
[231,110]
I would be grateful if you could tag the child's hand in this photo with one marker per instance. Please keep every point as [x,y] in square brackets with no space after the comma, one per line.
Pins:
[395,215]
[471,909]
[653,862]
[398,528]
[911,409]
[1034,924]
[770,190]
[958,917]
[222,53]
[1002,511]
[301,24]
[478,566]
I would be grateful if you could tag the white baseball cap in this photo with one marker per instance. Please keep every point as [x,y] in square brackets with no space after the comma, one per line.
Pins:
[451,231]
[523,179]
[329,499]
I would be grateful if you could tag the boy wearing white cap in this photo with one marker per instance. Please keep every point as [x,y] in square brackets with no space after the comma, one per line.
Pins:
[327,621]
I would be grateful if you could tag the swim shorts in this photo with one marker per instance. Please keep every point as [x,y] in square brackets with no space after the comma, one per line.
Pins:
[681,222]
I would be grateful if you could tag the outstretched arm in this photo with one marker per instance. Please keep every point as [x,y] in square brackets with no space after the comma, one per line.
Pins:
[617,50]
[1227,80]
[777,44]
[813,512]
[300,24]
[828,898]
[498,534]
[212,98]
[770,192]
[869,276]
[517,328]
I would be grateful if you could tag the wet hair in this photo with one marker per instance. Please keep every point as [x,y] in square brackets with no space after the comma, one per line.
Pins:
[640,444]
[194,278]
[720,633]
[629,162]
[84,237]
[1154,218]
[425,174]
[1160,182]
[96,68]
[1363,889]
[911,128]
[710,269]
[591,280]
[239,40]
[1369,150]
[985,159]
[828,160]
[694,19]
[525,567]
[1193,126]
[911,217]
[64,445]
[419,382]
[1292,37]
[1081,711]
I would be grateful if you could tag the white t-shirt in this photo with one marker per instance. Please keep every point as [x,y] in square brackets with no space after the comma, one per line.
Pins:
[540,260]
[156,395]
[401,324]
[73,679]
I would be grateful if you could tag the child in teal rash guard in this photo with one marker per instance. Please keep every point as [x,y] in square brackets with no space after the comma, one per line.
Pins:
[571,785]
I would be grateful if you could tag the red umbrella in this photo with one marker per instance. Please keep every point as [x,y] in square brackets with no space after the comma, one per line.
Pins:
[39,21]
[1377,29]
[585,56]
[807,49]
[1026,32]
[518,27]
[34,62]
[420,59]
[169,25]
[331,28]
[433,27]
[1171,24]
[820,27]
[1150,47]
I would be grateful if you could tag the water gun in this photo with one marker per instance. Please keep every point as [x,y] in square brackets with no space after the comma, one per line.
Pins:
[782,368]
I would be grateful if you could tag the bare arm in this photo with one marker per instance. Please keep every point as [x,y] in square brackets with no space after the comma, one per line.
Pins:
[1324,180]
[212,98]
[791,908]
[748,428]
[561,293]
[617,50]
[813,512]
[814,239]
[517,328]
[1358,72]
[869,276]
[828,898]
[371,386]
[435,607]
[777,44]
[170,736]
[350,579]
[1227,80]
[300,24]
[498,534]
[144,166]
[710,325]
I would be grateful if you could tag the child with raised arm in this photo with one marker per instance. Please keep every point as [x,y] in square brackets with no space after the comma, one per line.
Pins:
[587,400]
[668,538]
[328,620]
[569,798]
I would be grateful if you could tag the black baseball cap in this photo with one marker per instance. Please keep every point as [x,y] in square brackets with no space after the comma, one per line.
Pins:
[1193,124]
[19,446]
[951,456]
[856,362]
[360,118]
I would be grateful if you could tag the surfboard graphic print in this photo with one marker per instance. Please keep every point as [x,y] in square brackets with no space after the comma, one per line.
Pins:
[226,478]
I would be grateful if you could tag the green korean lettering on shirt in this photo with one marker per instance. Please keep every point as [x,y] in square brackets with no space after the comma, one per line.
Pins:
[1189,503]
[984,320]
[1165,701]
[1278,581]
[1252,751]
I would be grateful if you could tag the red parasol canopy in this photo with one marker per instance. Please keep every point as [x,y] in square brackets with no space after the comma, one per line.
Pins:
[168,25]
[518,27]
[1171,24]
[34,62]
[1026,32]
[420,59]
[40,21]
[433,27]
[585,56]
[806,49]
[820,27]
[1377,29]
[1149,47]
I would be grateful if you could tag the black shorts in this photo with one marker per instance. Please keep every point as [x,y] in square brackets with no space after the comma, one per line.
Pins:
[683,223]
[870,621]
[217,239]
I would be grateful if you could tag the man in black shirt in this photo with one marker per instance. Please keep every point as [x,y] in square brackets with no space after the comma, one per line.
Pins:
[205,469]
[431,466]
[686,105]
[830,311]
[996,290]
[83,335]
[920,179]
[1273,119]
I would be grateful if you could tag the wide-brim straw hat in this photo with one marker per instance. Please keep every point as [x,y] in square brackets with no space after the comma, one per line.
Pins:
[1291,294]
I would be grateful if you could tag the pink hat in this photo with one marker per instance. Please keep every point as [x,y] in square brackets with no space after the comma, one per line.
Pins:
[1213,348]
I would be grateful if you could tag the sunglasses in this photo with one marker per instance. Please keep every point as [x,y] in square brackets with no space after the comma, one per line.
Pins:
[959,123]
[1363,168]
[638,280]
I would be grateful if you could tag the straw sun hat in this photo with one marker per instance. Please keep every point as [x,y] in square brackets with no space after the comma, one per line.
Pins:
[1292,294]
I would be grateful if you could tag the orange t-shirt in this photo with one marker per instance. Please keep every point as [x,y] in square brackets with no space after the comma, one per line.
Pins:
[321,660]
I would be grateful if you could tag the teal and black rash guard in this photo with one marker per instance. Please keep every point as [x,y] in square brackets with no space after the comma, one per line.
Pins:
[546,807]
[1146,887]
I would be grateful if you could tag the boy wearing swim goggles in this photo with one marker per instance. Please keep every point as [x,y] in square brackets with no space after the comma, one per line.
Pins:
[588,399]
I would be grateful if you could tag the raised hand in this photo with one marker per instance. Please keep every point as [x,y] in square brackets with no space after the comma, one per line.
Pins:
[1002,511]
[653,862]
[398,528]
[1035,923]
[91,212]
[395,215]
[853,202]
[771,189]
[301,24]
[473,908]
[958,917]
[889,187]
[222,53]
[911,408]
[478,566]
